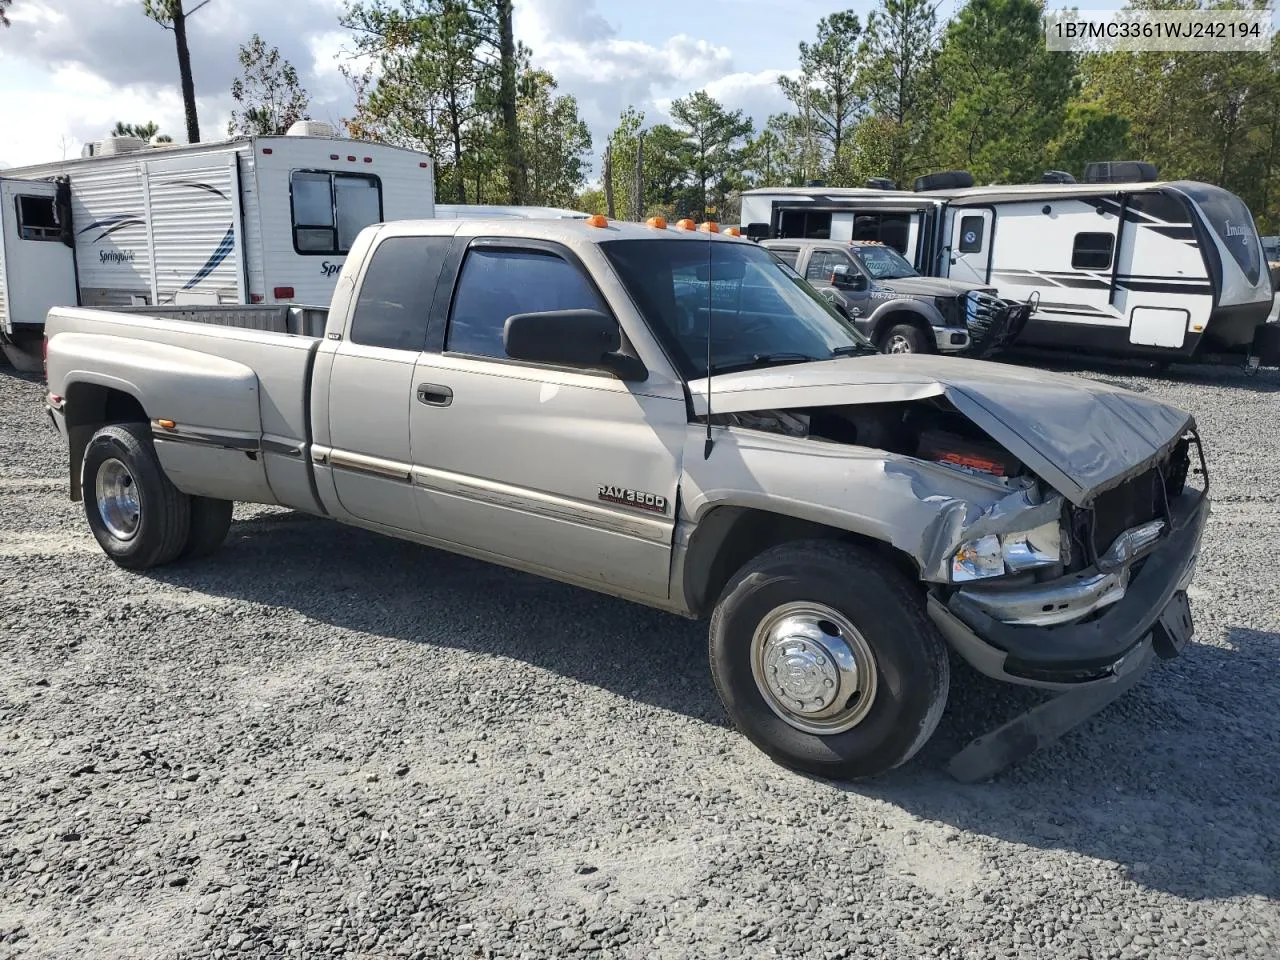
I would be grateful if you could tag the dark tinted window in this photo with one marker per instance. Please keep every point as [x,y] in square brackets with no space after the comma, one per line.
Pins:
[971,234]
[1092,251]
[395,295]
[37,218]
[888,228]
[496,284]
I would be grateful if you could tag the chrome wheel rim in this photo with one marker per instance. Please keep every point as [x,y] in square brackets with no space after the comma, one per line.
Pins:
[118,502]
[899,344]
[814,668]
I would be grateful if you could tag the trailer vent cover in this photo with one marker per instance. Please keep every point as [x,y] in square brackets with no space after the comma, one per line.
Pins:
[949,180]
[1121,171]
[881,183]
[1057,176]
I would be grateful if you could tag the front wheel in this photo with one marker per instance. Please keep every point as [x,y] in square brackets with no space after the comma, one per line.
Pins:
[904,338]
[139,518]
[823,656]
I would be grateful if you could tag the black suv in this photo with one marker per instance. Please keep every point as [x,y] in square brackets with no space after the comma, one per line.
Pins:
[897,308]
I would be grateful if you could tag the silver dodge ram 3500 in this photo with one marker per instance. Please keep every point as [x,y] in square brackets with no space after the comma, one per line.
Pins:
[673,417]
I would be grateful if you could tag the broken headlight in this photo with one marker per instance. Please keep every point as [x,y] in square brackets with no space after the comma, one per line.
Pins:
[994,556]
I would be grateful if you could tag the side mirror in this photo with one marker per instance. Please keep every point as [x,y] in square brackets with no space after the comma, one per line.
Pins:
[757,231]
[842,278]
[587,339]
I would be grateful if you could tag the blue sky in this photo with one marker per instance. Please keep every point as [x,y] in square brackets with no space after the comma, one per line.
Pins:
[69,69]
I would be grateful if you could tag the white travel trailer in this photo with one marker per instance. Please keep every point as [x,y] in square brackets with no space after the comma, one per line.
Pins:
[252,220]
[1163,270]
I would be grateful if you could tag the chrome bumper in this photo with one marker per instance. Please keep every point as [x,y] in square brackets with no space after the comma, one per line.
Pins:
[951,339]
[1049,604]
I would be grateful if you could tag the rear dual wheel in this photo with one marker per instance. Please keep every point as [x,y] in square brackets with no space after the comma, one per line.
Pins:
[823,656]
[139,518]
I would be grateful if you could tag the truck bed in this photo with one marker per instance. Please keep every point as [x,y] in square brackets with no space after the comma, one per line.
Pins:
[232,383]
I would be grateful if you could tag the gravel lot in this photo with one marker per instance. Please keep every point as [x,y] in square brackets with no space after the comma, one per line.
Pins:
[321,742]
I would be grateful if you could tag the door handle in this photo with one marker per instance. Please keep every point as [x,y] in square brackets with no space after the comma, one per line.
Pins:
[434,395]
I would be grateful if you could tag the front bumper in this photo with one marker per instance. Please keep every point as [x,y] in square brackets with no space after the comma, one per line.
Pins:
[1102,632]
[952,339]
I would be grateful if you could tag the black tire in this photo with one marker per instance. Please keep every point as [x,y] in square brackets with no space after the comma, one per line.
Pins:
[163,516]
[210,521]
[909,337]
[913,669]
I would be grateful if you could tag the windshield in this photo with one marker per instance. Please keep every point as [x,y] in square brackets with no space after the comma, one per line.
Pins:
[761,312]
[884,263]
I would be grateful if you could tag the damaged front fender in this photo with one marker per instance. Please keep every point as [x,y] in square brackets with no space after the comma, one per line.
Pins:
[958,522]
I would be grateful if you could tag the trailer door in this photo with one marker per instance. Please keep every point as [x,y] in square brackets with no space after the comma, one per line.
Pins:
[971,244]
[37,270]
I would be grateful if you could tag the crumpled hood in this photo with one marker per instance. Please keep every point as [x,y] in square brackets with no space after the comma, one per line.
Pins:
[928,287]
[1078,435]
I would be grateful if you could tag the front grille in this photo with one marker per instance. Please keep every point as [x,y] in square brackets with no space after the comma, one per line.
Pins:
[1128,505]
[1135,502]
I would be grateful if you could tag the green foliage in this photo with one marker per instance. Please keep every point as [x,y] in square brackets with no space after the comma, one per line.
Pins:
[269,97]
[555,141]
[142,131]
[1002,95]
[828,93]
[712,139]
[1090,132]
[899,81]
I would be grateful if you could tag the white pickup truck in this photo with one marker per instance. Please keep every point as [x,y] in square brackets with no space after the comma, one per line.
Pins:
[673,417]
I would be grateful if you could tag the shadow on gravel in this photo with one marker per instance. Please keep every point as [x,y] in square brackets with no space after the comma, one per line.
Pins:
[1266,380]
[1170,783]
[1175,783]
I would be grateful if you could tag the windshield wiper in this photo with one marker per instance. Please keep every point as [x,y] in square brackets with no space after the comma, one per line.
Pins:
[852,350]
[764,360]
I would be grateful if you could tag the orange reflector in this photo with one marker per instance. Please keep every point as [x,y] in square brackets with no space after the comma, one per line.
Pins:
[167,424]
[597,220]
[709,227]
[657,223]
[1197,327]
[685,224]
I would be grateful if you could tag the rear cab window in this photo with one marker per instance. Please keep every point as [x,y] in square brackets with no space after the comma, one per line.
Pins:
[330,209]
[396,292]
[500,282]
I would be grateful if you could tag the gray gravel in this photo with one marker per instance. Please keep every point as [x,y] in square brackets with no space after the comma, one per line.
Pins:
[320,743]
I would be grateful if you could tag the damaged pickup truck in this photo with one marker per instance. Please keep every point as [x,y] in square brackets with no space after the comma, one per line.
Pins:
[551,397]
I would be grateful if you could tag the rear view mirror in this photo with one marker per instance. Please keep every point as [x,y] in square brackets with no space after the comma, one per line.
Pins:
[586,339]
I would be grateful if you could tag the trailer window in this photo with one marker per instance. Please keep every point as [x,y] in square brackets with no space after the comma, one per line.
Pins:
[1092,251]
[891,229]
[37,218]
[971,234]
[330,209]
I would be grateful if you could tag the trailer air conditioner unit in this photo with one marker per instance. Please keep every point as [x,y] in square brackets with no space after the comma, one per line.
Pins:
[1121,171]
[1056,176]
[948,180]
[115,146]
[311,128]
[881,183]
